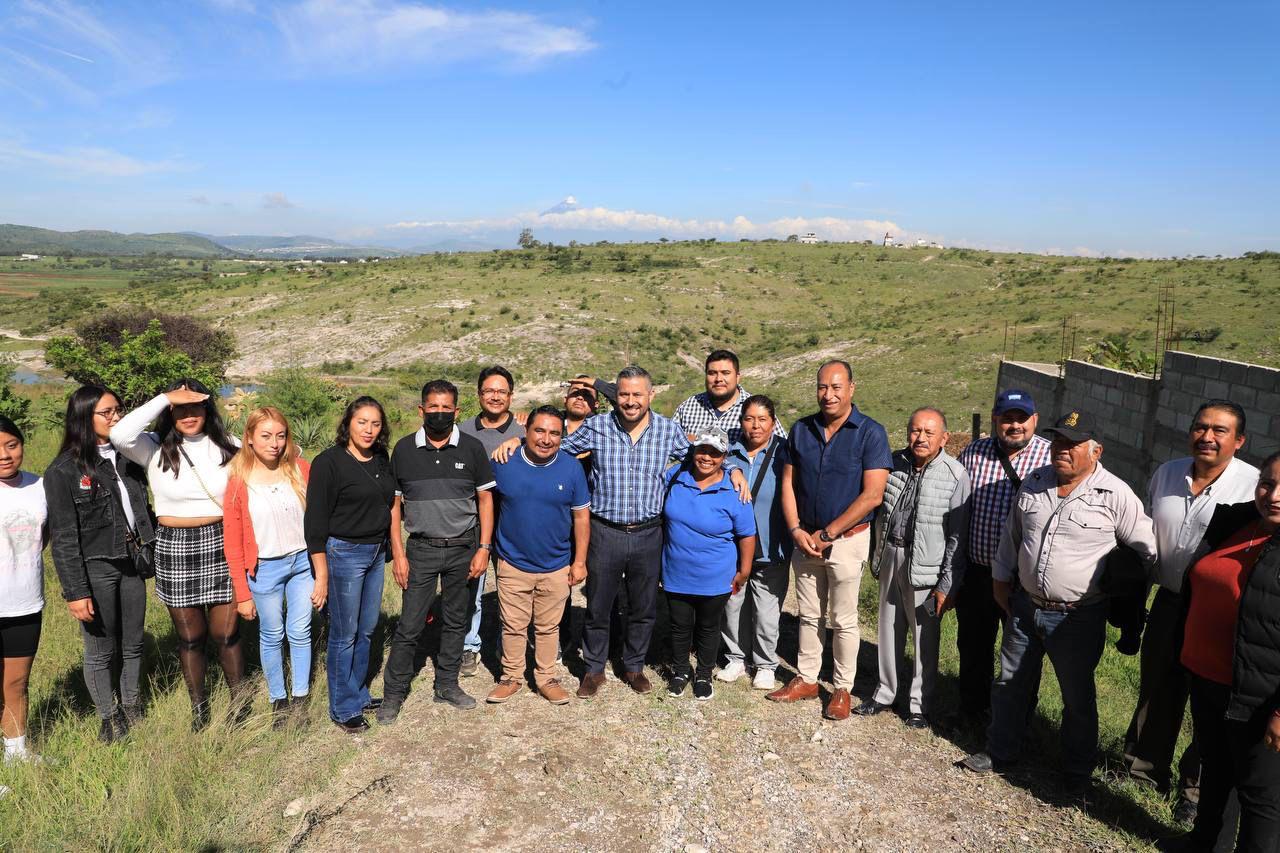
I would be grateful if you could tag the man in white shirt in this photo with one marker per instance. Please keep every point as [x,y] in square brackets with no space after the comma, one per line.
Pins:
[1181,499]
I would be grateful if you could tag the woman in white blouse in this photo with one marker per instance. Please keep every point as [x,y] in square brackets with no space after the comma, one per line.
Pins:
[186,458]
[267,553]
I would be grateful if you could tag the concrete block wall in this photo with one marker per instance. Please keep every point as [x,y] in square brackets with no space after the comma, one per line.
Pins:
[1143,421]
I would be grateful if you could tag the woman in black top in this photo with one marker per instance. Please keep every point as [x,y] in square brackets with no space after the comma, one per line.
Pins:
[347,520]
[99,519]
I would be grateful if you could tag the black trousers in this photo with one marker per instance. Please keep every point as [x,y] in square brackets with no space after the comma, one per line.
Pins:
[1232,754]
[978,622]
[615,558]
[429,566]
[1162,702]
[696,618]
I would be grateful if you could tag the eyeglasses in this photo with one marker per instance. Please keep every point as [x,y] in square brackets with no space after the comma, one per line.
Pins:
[494,392]
[108,414]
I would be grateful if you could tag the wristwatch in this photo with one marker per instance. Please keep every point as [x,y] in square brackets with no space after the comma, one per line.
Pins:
[485,545]
[825,536]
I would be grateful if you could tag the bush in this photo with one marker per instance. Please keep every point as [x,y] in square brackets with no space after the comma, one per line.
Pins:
[135,368]
[206,346]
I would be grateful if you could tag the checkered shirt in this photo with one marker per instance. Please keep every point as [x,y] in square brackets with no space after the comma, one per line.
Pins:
[993,492]
[698,414]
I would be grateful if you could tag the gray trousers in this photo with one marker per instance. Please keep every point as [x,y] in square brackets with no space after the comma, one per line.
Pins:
[904,608]
[768,588]
[119,613]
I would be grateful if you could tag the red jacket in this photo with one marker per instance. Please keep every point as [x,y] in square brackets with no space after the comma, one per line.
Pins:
[238,541]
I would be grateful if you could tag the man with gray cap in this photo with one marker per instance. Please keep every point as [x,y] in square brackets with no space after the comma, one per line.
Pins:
[1066,519]
[996,468]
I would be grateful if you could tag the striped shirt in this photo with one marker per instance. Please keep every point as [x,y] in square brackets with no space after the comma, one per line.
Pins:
[993,493]
[698,414]
[627,483]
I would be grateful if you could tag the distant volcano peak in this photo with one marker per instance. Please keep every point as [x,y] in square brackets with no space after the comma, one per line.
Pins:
[569,203]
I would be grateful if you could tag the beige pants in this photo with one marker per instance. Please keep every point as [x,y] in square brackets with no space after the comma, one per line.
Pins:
[537,597]
[832,582]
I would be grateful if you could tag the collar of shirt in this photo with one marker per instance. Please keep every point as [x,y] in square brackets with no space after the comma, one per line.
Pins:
[685,478]
[819,426]
[533,464]
[704,398]
[502,428]
[420,439]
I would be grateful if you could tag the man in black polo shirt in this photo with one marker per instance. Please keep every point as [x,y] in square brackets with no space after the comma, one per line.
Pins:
[443,480]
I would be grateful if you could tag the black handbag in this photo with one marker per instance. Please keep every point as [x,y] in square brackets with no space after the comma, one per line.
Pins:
[143,555]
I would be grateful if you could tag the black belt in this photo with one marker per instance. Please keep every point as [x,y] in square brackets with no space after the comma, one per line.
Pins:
[436,542]
[1062,606]
[647,524]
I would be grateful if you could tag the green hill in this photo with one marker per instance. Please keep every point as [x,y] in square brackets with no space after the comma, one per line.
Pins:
[15,239]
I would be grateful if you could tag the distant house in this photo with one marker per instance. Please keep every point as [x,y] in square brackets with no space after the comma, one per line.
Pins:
[922,243]
[28,257]
[888,239]
[809,237]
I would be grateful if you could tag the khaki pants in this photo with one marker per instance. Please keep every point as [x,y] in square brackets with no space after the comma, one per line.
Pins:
[832,581]
[531,596]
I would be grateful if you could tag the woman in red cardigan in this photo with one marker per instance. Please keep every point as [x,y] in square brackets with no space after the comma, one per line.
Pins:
[267,554]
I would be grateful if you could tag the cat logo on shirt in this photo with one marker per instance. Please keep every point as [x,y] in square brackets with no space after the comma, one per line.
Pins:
[459,465]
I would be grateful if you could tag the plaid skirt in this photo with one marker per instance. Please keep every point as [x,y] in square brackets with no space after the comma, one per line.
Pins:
[191,568]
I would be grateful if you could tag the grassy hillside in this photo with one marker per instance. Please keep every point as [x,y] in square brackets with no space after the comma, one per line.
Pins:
[23,238]
[919,325]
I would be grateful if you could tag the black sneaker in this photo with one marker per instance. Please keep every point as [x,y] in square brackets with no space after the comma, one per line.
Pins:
[388,711]
[702,689]
[452,694]
[375,702]
[1184,813]
[983,763]
[132,714]
[470,664]
[107,732]
[200,715]
[354,726]
[677,684]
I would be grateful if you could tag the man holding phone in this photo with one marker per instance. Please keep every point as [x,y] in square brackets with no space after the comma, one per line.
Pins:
[921,530]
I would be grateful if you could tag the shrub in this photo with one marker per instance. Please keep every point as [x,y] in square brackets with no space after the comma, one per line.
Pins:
[210,348]
[12,405]
[299,394]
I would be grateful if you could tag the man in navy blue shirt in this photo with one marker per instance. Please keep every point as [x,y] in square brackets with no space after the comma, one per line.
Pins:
[544,520]
[839,464]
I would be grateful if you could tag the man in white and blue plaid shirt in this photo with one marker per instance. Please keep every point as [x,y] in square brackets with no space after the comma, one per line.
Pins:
[1013,422]
[720,406]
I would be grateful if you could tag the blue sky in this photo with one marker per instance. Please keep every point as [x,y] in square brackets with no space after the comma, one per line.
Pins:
[1125,128]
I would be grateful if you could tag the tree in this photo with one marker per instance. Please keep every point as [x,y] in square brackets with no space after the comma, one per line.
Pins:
[300,394]
[136,368]
[793,238]
[525,240]
[14,407]
[207,347]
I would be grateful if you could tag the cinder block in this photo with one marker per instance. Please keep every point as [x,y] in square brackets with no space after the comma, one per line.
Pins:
[1268,402]
[1244,396]
[1192,384]
[1264,378]
[1216,389]
[1233,372]
[1115,396]
[1180,362]
[1208,367]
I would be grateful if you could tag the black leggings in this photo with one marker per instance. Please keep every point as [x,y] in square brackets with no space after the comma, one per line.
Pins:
[696,616]
[195,626]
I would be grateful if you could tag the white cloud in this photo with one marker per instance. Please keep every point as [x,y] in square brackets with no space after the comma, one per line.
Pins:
[276,201]
[603,219]
[362,34]
[87,160]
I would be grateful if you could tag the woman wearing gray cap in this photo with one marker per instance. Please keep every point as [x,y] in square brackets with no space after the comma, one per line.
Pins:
[710,544]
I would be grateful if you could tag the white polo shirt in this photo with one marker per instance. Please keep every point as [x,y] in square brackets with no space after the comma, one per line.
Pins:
[1181,518]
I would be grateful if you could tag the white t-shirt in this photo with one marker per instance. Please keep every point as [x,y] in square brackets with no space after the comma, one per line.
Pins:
[276,513]
[23,513]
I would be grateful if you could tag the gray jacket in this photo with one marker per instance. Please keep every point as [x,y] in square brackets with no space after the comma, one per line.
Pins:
[938,525]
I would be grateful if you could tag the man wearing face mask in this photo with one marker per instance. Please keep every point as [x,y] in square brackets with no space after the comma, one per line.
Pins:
[1066,519]
[443,481]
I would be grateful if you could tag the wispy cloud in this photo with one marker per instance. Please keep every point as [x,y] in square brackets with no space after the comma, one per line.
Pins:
[365,34]
[277,201]
[202,200]
[602,219]
[86,160]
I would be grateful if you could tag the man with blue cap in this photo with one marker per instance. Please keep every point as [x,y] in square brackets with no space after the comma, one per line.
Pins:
[996,466]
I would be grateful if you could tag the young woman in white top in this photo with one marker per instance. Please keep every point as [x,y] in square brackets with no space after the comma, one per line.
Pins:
[267,553]
[23,533]
[186,459]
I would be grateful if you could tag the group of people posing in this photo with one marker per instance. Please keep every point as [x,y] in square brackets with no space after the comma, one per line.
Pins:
[712,513]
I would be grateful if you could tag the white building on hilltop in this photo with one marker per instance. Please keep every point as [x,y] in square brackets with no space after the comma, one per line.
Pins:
[809,237]
[888,239]
[28,257]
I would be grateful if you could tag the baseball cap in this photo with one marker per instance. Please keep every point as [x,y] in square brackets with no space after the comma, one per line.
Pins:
[712,438]
[1014,399]
[1074,426]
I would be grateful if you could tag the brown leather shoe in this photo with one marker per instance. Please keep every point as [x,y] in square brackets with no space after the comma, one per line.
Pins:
[503,690]
[590,684]
[838,707]
[637,681]
[554,693]
[796,689]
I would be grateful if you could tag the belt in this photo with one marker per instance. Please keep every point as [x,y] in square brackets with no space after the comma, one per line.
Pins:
[1062,606]
[636,527]
[451,542]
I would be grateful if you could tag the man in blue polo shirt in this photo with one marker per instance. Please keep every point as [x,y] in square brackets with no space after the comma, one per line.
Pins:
[545,519]
[839,464]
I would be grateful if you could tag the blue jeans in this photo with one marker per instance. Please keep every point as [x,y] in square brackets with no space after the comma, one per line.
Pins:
[1073,641]
[281,586]
[355,603]
[474,608]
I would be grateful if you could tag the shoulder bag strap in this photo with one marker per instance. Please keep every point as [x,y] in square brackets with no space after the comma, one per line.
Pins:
[1006,464]
[755,488]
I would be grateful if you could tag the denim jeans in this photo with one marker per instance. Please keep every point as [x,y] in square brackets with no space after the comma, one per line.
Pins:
[474,610]
[119,614]
[1073,641]
[355,603]
[282,589]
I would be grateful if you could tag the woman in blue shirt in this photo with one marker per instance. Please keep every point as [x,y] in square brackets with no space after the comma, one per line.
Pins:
[710,545]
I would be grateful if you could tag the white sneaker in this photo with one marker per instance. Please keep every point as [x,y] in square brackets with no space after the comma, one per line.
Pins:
[732,672]
[764,680]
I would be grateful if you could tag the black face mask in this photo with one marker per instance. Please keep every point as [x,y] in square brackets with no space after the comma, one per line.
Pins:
[437,423]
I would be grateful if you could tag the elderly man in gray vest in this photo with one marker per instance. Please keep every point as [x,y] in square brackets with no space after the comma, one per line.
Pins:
[920,560]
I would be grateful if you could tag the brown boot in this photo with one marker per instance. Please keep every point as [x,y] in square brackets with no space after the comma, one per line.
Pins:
[838,707]
[590,684]
[554,693]
[796,689]
[503,690]
[637,681]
